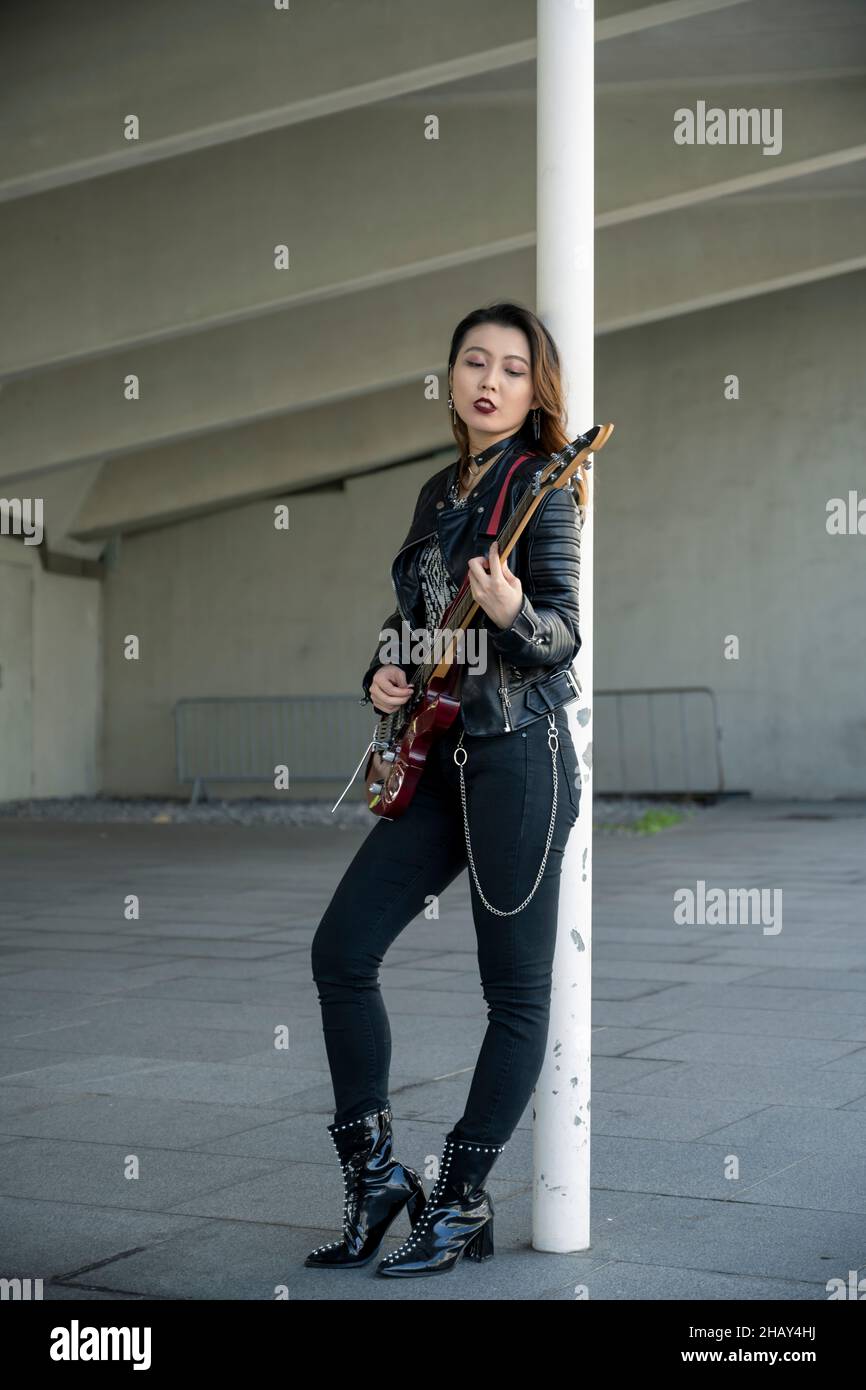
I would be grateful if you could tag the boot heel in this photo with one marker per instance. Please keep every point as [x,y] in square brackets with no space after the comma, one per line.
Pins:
[415,1206]
[480,1246]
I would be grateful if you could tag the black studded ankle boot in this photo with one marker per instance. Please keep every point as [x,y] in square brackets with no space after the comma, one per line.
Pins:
[458,1217]
[377,1190]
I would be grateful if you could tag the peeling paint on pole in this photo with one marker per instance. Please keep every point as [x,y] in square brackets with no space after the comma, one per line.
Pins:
[564,300]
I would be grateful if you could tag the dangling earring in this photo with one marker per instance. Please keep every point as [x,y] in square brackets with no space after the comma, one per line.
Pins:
[451,408]
[535,417]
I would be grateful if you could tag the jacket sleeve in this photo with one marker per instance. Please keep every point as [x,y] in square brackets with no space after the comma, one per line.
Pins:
[546,630]
[395,621]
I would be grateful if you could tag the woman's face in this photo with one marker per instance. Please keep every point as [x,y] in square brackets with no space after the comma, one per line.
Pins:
[492,364]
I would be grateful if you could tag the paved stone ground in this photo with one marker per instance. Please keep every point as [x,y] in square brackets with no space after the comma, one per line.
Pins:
[154,1038]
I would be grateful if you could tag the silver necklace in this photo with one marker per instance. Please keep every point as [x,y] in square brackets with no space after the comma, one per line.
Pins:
[475,469]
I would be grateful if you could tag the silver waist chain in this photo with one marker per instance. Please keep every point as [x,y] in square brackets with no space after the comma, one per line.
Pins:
[553,745]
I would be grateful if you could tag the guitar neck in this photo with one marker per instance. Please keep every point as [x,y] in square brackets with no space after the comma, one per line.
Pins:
[465,606]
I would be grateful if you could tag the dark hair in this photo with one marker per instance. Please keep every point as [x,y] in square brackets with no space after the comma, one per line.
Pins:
[546,375]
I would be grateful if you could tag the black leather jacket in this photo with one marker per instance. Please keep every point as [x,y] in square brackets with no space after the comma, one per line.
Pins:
[529,663]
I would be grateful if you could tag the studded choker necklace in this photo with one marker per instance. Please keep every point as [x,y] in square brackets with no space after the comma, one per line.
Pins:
[476,461]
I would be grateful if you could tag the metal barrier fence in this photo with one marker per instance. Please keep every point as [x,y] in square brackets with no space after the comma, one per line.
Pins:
[669,742]
[244,738]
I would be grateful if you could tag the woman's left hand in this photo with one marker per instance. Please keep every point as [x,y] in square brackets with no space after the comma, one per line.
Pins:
[495,588]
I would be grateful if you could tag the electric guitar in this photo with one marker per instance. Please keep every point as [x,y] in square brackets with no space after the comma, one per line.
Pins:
[402,739]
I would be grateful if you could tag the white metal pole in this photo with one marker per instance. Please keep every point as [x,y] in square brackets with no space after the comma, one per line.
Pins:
[564,300]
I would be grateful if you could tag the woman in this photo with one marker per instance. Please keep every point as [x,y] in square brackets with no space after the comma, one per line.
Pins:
[511,736]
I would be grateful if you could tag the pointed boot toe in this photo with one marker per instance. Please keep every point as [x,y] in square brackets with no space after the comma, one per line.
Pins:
[458,1217]
[377,1189]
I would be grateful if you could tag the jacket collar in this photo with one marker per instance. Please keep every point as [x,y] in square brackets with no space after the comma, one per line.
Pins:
[513,444]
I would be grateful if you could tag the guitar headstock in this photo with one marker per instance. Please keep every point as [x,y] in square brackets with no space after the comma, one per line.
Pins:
[566,461]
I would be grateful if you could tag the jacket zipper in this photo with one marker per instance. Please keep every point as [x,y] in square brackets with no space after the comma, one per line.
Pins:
[416,541]
[505,698]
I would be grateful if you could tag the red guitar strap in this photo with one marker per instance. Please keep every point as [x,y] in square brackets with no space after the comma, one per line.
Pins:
[492,528]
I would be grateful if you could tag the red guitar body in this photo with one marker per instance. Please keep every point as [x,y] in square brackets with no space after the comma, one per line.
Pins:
[397,779]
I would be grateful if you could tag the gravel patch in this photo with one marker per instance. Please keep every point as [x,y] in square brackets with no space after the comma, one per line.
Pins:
[611,815]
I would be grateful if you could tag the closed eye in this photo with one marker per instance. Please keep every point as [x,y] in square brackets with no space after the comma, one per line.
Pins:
[508,369]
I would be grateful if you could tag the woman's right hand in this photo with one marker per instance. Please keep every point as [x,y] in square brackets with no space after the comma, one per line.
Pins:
[389,689]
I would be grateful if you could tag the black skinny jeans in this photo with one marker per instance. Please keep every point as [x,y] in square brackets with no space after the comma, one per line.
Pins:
[509,788]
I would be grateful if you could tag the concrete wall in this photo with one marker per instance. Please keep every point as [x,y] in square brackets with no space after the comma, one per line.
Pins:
[50,678]
[710,522]
[228,605]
